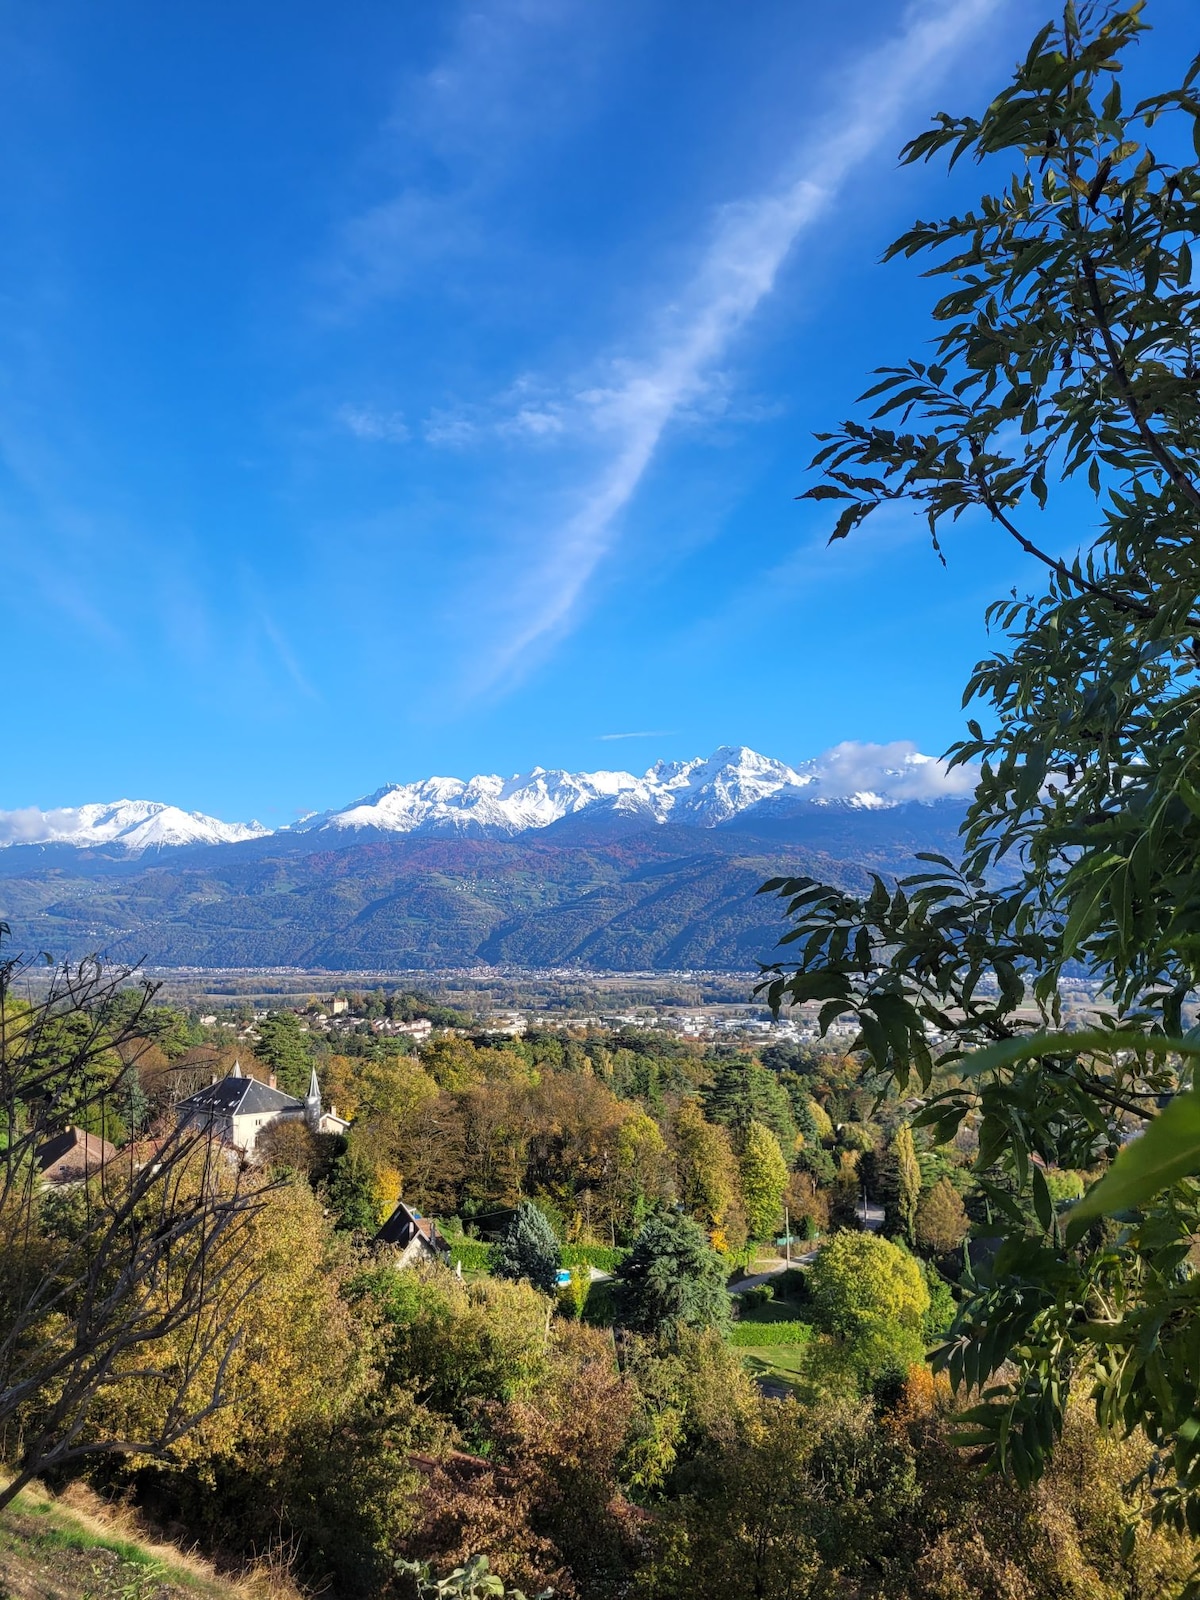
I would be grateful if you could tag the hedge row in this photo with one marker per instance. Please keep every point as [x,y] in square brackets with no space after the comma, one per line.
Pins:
[601,1256]
[477,1256]
[770,1333]
[473,1254]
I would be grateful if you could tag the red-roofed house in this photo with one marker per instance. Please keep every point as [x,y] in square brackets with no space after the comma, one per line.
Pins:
[72,1156]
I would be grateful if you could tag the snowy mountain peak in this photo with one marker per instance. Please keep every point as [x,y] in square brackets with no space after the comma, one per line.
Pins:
[133,825]
[704,792]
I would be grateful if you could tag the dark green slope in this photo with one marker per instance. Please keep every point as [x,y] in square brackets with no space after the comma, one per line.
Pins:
[645,897]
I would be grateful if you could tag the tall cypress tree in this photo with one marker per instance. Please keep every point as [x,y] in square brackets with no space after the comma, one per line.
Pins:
[764,1176]
[907,1179]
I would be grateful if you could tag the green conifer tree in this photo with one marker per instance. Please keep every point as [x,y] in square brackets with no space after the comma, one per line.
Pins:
[529,1249]
[672,1279]
[286,1049]
[354,1194]
[743,1092]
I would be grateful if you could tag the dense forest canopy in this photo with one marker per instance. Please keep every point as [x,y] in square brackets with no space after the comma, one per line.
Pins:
[576,1393]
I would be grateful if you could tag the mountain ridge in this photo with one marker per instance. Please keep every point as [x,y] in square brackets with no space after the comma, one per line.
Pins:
[601,892]
[705,792]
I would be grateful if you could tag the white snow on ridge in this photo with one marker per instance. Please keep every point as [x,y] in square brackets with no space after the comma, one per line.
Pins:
[701,793]
[508,805]
[134,825]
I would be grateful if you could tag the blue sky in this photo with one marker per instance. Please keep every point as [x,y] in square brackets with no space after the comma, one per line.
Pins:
[398,389]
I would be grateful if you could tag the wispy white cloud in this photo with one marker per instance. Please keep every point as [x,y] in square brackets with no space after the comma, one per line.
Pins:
[447,427]
[287,657]
[739,267]
[659,734]
[469,116]
[368,422]
[535,422]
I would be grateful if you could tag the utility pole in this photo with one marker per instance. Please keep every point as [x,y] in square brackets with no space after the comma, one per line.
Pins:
[787,1237]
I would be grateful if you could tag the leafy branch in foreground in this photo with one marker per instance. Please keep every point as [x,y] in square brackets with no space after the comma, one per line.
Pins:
[471,1581]
[1067,348]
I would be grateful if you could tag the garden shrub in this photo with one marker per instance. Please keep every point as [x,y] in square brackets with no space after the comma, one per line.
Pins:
[473,1255]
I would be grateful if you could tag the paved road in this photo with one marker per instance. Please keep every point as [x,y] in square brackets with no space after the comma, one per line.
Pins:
[772,1271]
[871,1216]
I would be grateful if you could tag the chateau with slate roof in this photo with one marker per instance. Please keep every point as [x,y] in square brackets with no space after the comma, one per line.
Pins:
[237,1109]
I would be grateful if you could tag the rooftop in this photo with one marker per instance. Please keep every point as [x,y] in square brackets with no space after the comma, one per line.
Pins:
[240,1096]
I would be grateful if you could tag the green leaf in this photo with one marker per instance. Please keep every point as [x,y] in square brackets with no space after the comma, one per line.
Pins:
[1168,1151]
[1096,1041]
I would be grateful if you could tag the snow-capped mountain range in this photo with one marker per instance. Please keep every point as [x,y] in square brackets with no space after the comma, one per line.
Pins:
[704,793]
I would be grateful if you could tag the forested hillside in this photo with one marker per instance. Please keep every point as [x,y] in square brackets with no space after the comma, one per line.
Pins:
[616,897]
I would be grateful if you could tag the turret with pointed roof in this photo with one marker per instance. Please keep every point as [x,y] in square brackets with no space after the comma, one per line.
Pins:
[312,1102]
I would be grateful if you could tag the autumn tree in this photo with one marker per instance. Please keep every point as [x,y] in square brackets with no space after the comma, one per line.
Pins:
[845,1191]
[858,1278]
[547,1504]
[764,1177]
[941,1223]
[139,1279]
[643,1174]
[457,1344]
[705,1166]
[807,1203]
[835,1498]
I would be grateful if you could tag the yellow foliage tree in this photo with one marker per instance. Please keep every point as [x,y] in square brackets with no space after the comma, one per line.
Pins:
[706,1170]
[764,1176]
[298,1357]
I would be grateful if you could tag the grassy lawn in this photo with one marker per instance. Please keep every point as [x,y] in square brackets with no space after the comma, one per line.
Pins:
[774,1311]
[782,1364]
